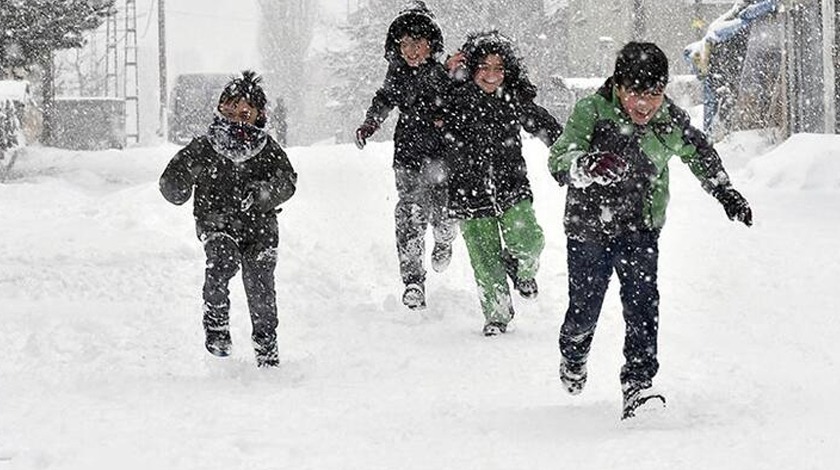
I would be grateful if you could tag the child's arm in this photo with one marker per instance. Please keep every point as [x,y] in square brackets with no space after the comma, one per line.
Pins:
[703,160]
[575,140]
[384,100]
[380,106]
[538,122]
[181,173]
[268,194]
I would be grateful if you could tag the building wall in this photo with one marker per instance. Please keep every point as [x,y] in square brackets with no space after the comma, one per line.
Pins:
[596,29]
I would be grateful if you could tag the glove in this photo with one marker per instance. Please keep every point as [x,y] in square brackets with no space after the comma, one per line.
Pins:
[603,167]
[736,207]
[364,132]
[256,196]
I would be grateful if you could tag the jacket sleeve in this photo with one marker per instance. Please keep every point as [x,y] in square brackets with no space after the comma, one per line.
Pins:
[280,185]
[537,121]
[384,100]
[700,155]
[574,141]
[176,182]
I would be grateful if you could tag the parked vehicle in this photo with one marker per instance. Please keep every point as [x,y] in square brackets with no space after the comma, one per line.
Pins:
[193,99]
[195,96]
[88,122]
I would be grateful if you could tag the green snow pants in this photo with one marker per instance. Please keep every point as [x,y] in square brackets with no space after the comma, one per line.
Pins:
[517,227]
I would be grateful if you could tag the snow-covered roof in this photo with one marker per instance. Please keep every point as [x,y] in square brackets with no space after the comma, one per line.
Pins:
[16,90]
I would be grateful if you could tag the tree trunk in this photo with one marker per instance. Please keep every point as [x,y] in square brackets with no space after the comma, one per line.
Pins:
[48,97]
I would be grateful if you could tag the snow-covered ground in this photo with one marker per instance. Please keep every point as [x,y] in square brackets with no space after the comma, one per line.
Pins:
[104,367]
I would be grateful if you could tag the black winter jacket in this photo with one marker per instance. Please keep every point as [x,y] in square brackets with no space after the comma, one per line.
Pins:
[487,172]
[418,93]
[221,186]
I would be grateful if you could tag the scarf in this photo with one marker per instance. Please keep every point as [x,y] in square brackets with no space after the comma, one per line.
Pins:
[237,141]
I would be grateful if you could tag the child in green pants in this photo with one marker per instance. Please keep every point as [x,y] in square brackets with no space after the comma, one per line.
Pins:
[488,183]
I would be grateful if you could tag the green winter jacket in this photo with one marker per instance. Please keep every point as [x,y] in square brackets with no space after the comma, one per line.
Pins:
[596,212]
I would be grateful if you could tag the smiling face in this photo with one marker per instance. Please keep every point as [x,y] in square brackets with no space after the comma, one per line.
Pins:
[415,51]
[641,107]
[490,73]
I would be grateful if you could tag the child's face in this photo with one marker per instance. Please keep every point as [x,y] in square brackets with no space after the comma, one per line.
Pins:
[415,51]
[239,110]
[641,107]
[490,73]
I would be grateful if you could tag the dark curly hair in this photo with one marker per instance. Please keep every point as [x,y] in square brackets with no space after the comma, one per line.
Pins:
[247,87]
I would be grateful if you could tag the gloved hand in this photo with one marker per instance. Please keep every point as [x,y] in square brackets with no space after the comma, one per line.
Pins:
[603,167]
[364,132]
[736,207]
[256,196]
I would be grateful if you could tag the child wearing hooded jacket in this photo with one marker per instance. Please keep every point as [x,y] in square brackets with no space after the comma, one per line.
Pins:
[489,191]
[415,83]
[240,176]
[614,158]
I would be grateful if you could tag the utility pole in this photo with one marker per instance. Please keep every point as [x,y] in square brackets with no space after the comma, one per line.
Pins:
[130,79]
[162,67]
[828,50]
[638,21]
[111,54]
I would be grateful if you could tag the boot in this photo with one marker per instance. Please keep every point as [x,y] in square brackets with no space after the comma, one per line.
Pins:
[494,329]
[441,255]
[414,296]
[640,396]
[217,342]
[527,288]
[573,376]
[267,356]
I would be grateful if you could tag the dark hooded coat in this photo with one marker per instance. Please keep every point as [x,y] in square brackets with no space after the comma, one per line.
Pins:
[487,172]
[416,91]
[222,184]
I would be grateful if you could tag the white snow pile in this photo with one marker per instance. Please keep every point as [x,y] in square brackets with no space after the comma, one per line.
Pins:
[104,365]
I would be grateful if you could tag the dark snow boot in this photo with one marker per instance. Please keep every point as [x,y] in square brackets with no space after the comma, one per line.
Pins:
[414,296]
[573,376]
[267,356]
[441,255]
[217,342]
[527,288]
[640,396]
[494,329]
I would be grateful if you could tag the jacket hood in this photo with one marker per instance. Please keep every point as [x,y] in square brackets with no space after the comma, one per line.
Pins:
[481,44]
[415,21]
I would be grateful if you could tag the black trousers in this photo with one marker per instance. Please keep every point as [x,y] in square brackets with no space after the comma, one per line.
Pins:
[224,257]
[634,258]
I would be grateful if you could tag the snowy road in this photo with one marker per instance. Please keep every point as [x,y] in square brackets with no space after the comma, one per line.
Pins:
[104,366]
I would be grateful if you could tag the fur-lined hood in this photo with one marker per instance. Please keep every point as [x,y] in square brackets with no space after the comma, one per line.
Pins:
[416,21]
[481,44]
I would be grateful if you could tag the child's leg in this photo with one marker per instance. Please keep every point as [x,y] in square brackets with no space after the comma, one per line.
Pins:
[444,228]
[637,272]
[258,263]
[523,237]
[484,245]
[590,268]
[411,219]
[222,263]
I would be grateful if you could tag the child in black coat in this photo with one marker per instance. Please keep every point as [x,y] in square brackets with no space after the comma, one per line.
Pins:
[414,83]
[240,176]
[489,191]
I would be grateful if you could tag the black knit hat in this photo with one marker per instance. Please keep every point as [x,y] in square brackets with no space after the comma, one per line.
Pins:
[416,21]
[641,67]
[247,87]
